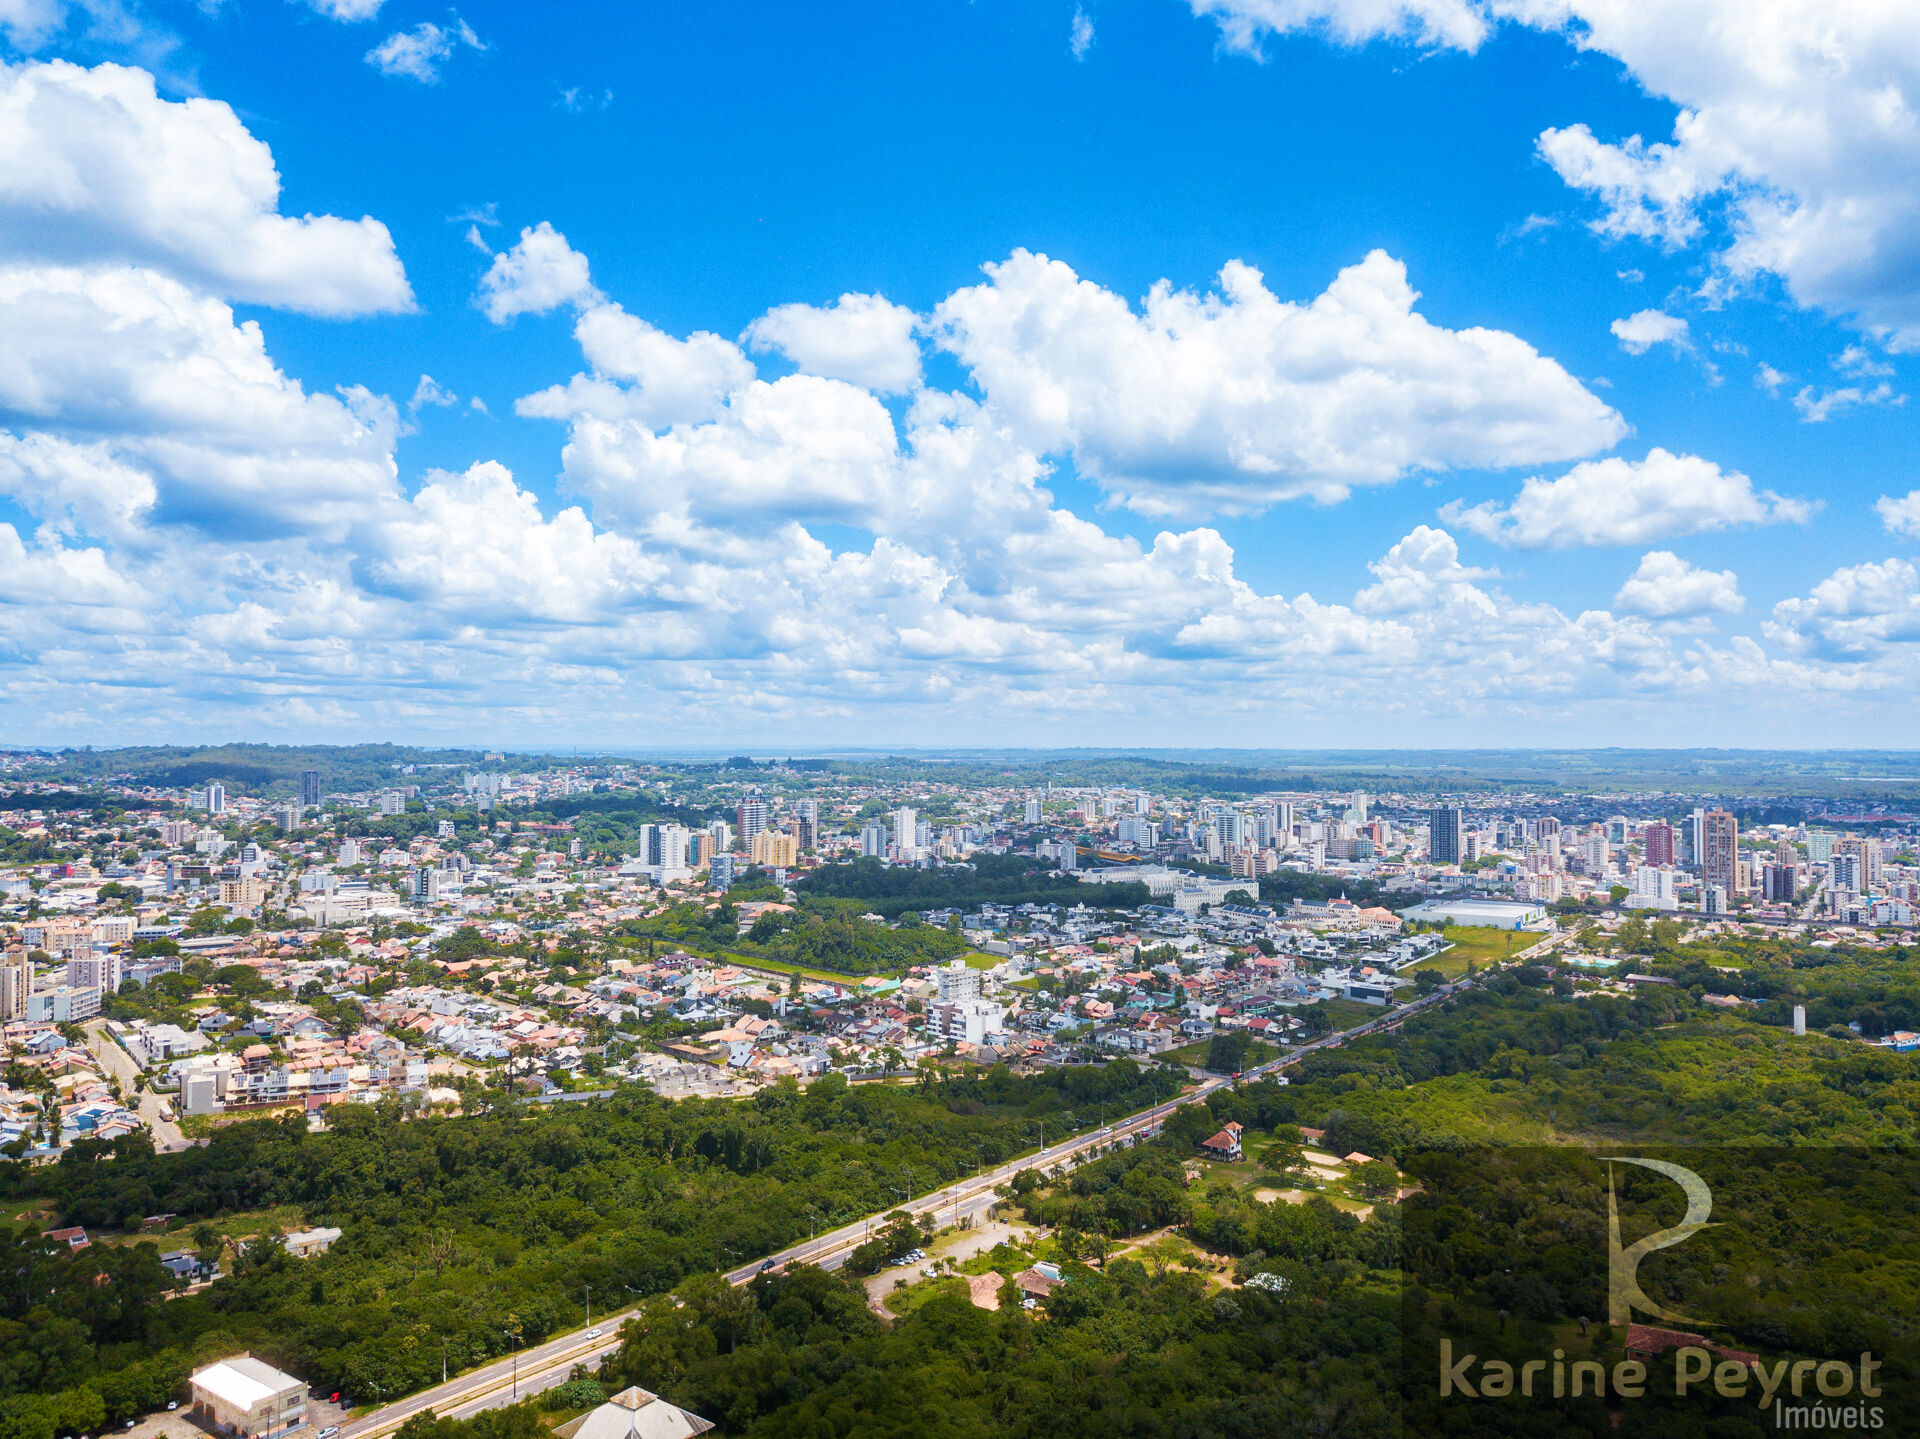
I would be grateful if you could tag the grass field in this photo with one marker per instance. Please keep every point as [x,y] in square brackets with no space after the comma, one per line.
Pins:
[1195,1054]
[781,966]
[976,960]
[1350,1013]
[1481,946]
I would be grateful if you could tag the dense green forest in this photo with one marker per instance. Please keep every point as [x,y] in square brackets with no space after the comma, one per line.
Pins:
[1518,1062]
[1013,879]
[470,1230]
[829,935]
[483,1227]
[1124,1351]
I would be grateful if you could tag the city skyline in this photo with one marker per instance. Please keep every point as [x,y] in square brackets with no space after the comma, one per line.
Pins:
[1414,375]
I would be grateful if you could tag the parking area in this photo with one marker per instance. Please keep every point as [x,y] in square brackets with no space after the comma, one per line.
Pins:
[180,1424]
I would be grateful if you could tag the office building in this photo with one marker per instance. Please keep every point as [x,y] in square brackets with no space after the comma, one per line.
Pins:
[1720,850]
[1444,843]
[310,789]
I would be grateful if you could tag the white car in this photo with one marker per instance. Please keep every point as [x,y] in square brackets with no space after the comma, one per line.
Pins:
[329,1431]
[591,1334]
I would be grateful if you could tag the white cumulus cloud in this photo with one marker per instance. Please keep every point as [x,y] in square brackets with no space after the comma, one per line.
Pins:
[1644,329]
[181,392]
[1627,502]
[539,273]
[1668,587]
[1901,513]
[1238,399]
[96,167]
[1858,610]
[1800,119]
[864,339]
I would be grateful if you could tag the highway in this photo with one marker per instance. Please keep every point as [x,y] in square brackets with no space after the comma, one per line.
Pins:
[547,1364]
[528,1372]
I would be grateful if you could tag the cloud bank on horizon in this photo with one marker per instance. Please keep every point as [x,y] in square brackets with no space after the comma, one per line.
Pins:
[1030,507]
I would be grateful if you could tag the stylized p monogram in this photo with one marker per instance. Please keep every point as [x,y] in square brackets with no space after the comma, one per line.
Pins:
[1624,1294]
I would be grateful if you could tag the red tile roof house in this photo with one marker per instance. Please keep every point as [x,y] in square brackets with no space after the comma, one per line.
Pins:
[1225,1144]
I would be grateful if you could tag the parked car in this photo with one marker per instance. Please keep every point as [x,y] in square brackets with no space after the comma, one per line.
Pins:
[329,1431]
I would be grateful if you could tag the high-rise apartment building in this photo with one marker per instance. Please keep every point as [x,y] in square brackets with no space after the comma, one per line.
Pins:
[1693,844]
[16,983]
[216,798]
[1720,850]
[99,968]
[1444,845]
[1659,844]
[775,849]
[310,789]
[873,841]
[906,828]
[750,819]
[1033,811]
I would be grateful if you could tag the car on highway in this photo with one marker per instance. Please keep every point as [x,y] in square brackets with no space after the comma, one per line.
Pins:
[593,1334]
[329,1432]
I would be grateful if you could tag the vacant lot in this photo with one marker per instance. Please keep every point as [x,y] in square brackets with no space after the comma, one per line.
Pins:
[1479,945]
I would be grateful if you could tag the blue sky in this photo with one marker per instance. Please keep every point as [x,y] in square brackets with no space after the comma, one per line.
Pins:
[1636,466]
